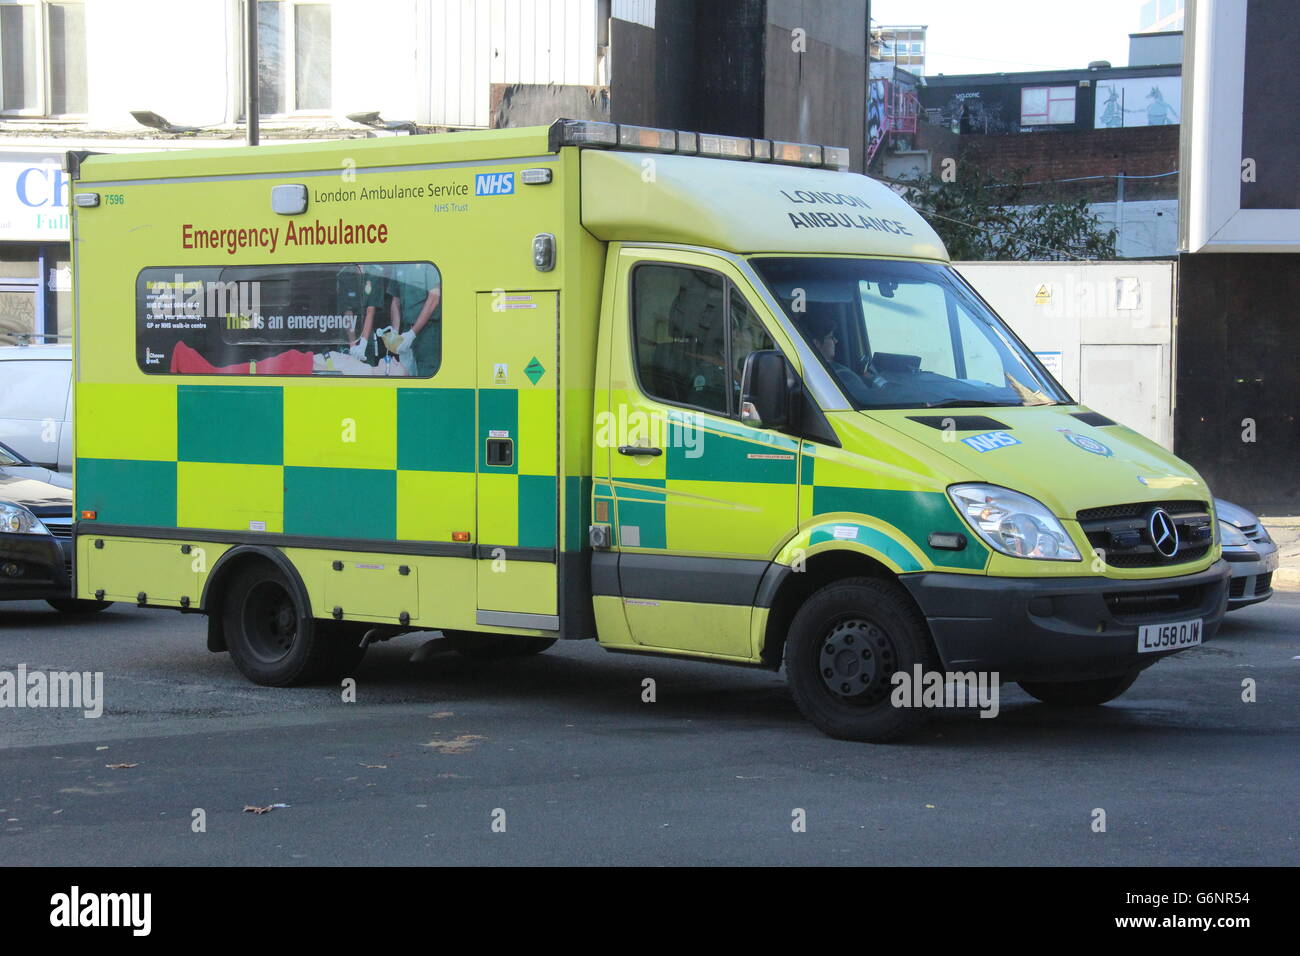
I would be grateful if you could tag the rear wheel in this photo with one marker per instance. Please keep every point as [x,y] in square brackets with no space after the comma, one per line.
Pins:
[1079,693]
[76,606]
[490,647]
[845,645]
[270,638]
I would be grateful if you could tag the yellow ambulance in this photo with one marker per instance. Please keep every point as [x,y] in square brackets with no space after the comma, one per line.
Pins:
[683,394]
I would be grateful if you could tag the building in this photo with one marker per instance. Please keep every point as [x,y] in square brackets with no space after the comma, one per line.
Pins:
[1156,16]
[1105,134]
[1238,338]
[902,46]
[159,74]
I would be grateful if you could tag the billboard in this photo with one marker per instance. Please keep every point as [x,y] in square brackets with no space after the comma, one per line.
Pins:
[1143,101]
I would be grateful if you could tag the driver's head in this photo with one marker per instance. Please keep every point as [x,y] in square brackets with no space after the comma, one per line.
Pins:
[820,331]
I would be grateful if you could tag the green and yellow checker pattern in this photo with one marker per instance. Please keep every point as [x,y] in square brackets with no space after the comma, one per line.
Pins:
[719,487]
[368,463]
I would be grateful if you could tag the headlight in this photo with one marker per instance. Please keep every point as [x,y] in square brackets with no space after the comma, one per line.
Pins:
[1231,536]
[15,519]
[1013,523]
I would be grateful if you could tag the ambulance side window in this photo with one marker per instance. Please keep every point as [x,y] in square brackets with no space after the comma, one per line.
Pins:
[747,336]
[679,335]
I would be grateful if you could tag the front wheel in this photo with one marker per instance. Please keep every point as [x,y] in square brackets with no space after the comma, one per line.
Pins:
[1079,693]
[845,645]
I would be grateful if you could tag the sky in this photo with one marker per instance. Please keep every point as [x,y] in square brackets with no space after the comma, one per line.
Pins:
[1015,36]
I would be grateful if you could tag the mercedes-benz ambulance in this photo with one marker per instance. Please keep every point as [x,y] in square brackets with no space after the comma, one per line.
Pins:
[687,395]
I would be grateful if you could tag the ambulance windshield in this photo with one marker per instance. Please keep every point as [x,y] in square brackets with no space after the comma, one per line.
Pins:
[905,334]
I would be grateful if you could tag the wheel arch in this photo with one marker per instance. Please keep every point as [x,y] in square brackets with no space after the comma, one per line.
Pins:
[218,580]
[787,586]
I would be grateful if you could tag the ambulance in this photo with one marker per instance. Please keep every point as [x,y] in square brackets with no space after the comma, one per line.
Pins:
[683,394]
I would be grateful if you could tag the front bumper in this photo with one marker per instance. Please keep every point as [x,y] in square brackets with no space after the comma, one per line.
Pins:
[44,565]
[1058,629]
[1252,570]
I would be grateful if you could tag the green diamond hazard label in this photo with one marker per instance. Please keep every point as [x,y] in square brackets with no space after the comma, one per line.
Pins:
[534,370]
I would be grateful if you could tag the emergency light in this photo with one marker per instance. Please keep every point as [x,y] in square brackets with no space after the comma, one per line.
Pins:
[590,133]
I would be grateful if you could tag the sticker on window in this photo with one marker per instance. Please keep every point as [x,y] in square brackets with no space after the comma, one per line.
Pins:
[339,319]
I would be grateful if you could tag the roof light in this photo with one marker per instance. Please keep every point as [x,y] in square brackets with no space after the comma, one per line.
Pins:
[725,147]
[835,157]
[646,137]
[584,133]
[589,133]
[801,154]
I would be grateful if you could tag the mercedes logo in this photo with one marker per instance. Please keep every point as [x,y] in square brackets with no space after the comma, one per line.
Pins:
[1163,532]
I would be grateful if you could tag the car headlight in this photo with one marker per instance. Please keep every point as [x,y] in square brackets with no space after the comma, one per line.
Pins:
[1230,535]
[15,519]
[1013,523]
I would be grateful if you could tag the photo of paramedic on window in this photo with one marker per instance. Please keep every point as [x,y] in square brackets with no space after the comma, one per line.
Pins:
[342,319]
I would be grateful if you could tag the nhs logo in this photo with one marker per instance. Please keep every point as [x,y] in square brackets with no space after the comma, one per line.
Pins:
[494,184]
[989,441]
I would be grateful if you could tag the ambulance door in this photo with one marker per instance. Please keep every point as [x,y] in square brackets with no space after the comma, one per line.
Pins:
[701,511]
[518,459]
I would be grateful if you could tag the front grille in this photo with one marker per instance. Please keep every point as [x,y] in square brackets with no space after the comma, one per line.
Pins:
[1237,588]
[1138,509]
[1253,532]
[1158,603]
[1263,583]
[1121,532]
[59,525]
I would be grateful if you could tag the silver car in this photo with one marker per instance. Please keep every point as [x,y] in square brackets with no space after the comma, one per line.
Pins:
[1250,553]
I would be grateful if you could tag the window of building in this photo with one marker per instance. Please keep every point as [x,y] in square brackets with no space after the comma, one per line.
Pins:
[1046,105]
[293,57]
[42,58]
[1148,15]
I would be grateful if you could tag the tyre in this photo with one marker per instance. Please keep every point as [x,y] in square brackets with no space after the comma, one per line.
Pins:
[492,647]
[270,638]
[844,645]
[1079,693]
[75,606]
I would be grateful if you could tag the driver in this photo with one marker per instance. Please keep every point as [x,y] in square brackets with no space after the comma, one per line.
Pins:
[821,334]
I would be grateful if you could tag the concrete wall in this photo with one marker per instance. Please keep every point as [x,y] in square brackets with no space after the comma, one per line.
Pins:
[1104,329]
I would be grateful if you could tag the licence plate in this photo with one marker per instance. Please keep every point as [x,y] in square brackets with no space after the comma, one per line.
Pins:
[1169,637]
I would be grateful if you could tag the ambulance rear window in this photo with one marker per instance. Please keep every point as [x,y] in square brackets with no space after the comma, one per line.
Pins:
[350,319]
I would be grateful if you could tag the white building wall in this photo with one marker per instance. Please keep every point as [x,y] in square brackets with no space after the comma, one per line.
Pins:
[472,44]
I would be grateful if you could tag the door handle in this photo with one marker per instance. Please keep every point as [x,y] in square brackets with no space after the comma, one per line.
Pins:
[635,450]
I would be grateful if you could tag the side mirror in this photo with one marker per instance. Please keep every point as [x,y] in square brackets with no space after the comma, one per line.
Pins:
[765,390]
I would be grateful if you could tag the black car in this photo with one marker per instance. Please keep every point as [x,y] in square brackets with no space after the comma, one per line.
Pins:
[36,535]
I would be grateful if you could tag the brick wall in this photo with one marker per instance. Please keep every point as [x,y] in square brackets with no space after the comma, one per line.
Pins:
[1137,151]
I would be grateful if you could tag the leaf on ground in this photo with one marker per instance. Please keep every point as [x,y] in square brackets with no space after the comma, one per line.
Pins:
[455,745]
[374,766]
[259,810]
[120,766]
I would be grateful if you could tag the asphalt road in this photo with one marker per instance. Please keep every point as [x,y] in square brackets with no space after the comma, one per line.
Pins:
[563,750]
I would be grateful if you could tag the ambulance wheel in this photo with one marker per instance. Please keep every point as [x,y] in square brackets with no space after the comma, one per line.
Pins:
[492,647]
[1079,693]
[845,644]
[270,640]
[77,606]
